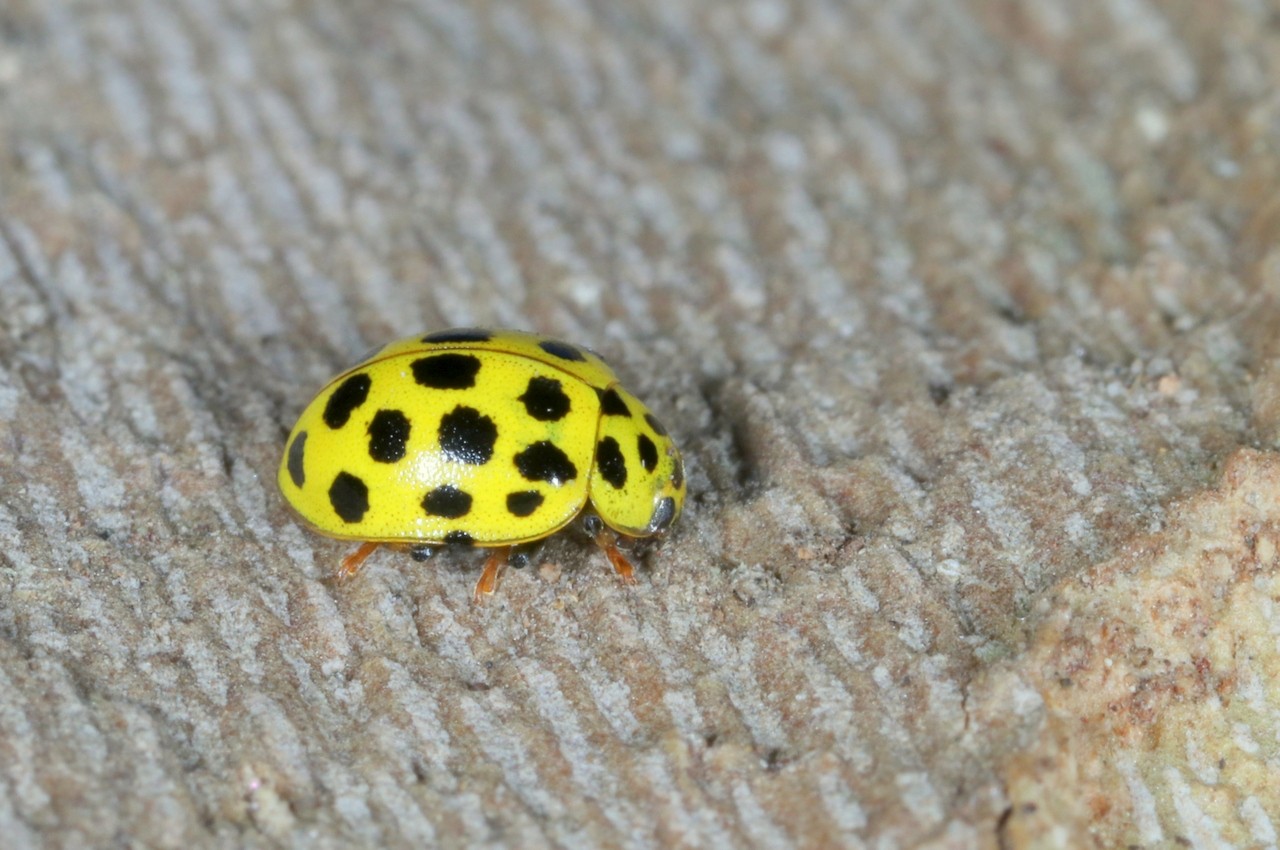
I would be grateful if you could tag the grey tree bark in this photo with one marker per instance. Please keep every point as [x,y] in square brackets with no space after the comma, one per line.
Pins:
[963,314]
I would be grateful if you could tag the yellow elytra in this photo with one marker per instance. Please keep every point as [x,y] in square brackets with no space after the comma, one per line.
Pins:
[491,438]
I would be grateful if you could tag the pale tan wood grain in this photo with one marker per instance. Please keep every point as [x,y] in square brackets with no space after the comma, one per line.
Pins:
[947,304]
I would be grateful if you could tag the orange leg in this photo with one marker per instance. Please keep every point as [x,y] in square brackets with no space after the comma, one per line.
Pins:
[352,563]
[608,541]
[493,566]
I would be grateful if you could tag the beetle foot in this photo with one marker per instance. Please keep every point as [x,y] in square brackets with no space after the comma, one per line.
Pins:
[493,566]
[352,563]
[608,541]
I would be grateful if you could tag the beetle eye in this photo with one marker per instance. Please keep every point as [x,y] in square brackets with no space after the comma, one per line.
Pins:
[663,514]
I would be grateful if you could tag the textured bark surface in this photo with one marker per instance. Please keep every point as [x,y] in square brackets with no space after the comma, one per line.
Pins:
[1158,673]
[963,313]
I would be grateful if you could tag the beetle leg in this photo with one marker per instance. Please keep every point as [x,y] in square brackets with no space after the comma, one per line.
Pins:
[493,565]
[421,552]
[523,555]
[608,541]
[352,563]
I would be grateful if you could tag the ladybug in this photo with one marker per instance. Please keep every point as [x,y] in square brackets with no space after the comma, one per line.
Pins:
[477,437]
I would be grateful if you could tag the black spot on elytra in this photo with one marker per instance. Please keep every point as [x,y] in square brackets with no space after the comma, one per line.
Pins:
[523,502]
[663,514]
[677,473]
[458,538]
[545,400]
[388,434]
[467,436]
[544,461]
[563,350]
[349,497]
[446,371]
[349,395]
[613,467]
[648,452]
[296,450]
[655,425]
[611,404]
[459,335]
[447,501]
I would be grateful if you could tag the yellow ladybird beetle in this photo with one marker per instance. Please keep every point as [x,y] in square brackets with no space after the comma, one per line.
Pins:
[490,438]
